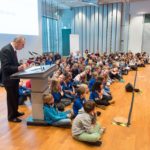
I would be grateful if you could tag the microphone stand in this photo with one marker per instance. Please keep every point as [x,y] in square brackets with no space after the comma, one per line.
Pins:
[121,120]
[131,107]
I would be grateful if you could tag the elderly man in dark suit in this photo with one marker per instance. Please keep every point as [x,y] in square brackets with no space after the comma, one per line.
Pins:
[10,65]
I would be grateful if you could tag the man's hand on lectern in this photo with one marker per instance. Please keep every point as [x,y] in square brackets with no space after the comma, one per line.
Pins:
[21,68]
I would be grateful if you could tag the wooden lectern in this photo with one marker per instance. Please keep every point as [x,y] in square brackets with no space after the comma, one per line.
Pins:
[39,85]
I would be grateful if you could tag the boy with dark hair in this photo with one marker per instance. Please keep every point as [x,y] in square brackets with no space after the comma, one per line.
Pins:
[85,127]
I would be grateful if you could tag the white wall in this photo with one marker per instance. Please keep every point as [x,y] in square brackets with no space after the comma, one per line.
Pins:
[137,11]
[33,43]
[135,33]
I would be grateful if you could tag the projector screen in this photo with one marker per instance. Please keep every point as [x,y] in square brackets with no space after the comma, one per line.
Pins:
[19,17]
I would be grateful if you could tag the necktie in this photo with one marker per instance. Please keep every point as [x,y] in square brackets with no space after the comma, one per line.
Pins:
[16,55]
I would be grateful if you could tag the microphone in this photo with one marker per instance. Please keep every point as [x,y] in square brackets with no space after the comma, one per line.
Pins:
[36,53]
[30,53]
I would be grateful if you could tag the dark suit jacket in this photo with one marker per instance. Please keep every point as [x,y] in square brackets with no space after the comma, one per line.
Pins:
[9,65]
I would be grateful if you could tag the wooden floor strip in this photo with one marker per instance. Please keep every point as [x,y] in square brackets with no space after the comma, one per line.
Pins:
[136,137]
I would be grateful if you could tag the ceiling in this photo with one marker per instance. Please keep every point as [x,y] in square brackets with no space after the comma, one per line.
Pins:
[79,3]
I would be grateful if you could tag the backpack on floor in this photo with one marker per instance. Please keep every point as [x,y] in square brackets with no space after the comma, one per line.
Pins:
[134,67]
[129,87]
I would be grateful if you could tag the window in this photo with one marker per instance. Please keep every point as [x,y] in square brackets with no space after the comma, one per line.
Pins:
[49,34]
[147,18]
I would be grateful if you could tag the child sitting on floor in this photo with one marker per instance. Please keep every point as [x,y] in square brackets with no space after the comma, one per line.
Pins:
[67,87]
[52,116]
[56,91]
[97,96]
[85,127]
[24,92]
[80,100]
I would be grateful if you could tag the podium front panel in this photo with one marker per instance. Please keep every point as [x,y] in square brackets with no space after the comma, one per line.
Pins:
[39,85]
[37,105]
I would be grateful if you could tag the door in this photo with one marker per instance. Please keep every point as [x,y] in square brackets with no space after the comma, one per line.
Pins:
[66,42]
[146,35]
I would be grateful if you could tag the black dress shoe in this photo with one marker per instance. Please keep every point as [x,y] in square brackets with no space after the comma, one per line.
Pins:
[97,143]
[16,120]
[98,113]
[20,114]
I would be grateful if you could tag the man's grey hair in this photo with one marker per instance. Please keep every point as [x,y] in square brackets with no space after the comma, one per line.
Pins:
[19,39]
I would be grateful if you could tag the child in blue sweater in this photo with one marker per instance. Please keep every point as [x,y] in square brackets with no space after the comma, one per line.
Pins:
[97,96]
[24,92]
[67,87]
[56,91]
[52,116]
[80,100]
[92,80]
